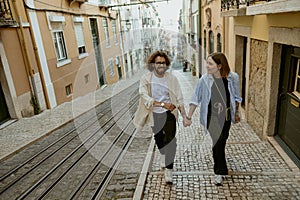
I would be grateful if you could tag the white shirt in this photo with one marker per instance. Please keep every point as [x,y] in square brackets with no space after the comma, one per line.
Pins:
[160,92]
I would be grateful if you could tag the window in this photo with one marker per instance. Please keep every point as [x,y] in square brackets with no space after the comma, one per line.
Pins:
[219,43]
[105,25]
[204,43]
[114,27]
[79,37]
[87,78]
[211,42]
[297,81]
[59,44]
[69,90]
[57,24]
[111,67]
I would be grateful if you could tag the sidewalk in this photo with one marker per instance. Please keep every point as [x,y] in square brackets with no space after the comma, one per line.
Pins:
[25,131]
[257,169]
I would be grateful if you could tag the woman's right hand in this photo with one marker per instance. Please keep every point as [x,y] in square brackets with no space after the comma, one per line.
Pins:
[237,117]
[187,122]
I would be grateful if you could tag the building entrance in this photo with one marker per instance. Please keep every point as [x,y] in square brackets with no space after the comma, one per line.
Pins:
[288,117]
[4,114]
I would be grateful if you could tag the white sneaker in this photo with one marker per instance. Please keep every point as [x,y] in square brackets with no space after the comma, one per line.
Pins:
[162,161]
[168,176]
[218,180]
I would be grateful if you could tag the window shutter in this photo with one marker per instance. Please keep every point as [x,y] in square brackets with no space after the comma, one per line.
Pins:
[79,34]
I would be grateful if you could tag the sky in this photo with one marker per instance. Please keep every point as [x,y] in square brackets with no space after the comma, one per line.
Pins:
[169,13]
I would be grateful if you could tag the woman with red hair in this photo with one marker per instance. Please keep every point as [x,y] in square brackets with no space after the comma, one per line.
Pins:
[218,93]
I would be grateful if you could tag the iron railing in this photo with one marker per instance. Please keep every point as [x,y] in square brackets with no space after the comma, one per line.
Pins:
[6,18]
[236,4]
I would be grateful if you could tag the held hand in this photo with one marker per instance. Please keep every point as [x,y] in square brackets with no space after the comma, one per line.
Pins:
[237,118]
[186,122]
[169,106]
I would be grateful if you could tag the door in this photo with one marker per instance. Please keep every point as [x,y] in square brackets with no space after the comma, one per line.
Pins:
[4,114]
[97,50]
[288,118]
[244,71]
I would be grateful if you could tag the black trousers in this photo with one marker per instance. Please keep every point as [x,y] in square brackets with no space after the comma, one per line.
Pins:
[164,130]
[219,132]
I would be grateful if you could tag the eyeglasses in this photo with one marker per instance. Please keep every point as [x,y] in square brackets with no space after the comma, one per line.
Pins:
[160,63]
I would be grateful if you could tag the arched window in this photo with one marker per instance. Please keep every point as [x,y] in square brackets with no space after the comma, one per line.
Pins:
[219,42]
[204,43]
[211,42]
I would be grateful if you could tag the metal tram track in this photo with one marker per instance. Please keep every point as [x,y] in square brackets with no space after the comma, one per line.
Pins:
[12,171]
[70,166]
[89,177]
[52,153]
[99,114]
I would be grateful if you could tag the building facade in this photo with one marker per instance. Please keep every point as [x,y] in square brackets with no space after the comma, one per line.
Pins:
[211,30]
[21,91]
[262,42]
[53,52]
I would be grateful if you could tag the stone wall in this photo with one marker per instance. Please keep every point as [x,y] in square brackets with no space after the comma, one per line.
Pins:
[257,83]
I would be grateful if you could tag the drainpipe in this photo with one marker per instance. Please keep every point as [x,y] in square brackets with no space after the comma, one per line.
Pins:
[121,40]
[28,67]
[223,32]
[200,36]
[39,65]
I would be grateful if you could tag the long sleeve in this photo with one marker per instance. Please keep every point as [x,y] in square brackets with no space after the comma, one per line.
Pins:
[145,91]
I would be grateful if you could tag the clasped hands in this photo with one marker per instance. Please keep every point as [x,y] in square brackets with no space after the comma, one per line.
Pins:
[186,122]
[169,106]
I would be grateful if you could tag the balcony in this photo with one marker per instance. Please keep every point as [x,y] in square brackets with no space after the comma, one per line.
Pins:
[257,7]
[6,18]
[275,6]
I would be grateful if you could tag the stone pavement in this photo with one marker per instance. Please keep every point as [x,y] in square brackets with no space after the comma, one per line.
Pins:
[258,169]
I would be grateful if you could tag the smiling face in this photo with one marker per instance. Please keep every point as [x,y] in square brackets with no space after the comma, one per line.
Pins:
[212,67]
[160,66]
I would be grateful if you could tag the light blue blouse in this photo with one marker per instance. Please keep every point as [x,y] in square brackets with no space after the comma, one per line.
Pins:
[202,94]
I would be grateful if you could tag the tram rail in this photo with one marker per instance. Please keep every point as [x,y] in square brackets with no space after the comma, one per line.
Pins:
[33,178]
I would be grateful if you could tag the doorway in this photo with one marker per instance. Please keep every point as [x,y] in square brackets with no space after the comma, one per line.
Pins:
[4,114]
[97,50]
[240,64]
[288,111]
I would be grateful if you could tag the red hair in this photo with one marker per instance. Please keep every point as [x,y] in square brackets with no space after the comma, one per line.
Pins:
[221,59]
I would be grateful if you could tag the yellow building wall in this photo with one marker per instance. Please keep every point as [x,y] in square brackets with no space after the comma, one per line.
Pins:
[16,56]
[15,60]
[110,52]
[78,69]
[259,25]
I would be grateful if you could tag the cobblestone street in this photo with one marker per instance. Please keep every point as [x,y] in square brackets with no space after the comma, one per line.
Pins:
[256,169]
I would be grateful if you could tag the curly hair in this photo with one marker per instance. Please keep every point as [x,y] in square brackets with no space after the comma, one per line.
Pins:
[153,56]
[220,59]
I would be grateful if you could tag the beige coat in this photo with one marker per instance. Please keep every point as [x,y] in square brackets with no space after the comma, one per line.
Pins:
[144,114]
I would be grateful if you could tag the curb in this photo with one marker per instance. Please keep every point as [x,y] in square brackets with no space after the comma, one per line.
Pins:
[139,191]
